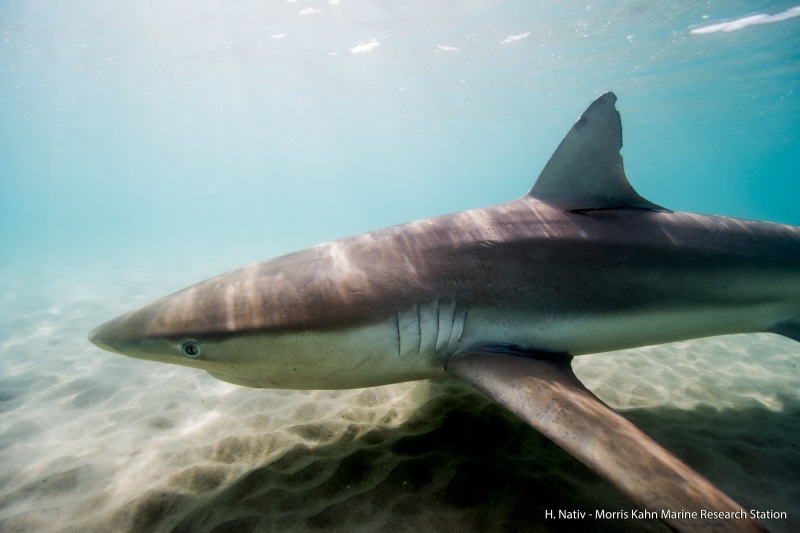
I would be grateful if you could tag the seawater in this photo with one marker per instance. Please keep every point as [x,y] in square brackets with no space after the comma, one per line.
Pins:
[147,146]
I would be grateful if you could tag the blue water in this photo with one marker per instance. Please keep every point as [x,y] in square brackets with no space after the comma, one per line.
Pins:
[147,145]
[148,126]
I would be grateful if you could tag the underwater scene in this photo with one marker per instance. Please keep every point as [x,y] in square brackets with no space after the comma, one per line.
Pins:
[146,146]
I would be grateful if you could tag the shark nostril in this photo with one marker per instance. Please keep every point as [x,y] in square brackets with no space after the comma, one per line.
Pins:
[191,349]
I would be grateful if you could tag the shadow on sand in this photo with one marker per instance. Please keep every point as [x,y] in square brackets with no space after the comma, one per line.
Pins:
[462,463]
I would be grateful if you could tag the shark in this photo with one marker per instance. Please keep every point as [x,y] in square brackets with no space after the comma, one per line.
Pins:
[503,298]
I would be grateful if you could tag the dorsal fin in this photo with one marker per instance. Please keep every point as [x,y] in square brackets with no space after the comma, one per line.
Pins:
[586,172]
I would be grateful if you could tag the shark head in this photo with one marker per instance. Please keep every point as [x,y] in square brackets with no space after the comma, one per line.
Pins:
[186,329]
[167,331]
[309,320]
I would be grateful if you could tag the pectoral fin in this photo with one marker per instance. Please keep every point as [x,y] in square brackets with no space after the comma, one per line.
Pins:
[543,391]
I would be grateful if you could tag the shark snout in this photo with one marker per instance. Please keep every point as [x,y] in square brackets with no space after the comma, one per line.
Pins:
[132,335]
[128,334]
[107,337]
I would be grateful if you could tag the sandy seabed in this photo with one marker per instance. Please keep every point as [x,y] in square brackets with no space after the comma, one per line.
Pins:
[90,441]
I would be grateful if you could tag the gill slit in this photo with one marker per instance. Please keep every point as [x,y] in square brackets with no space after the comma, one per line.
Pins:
[436,321]
[397,323]
[453,323]
[463,324]
[419,330]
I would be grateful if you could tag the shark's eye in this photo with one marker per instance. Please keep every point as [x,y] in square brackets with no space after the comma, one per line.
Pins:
[191,349]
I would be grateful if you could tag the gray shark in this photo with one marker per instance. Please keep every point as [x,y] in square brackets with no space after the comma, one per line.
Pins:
[501,297]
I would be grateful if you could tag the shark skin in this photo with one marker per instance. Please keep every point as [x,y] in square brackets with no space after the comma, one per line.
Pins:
[501,297]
